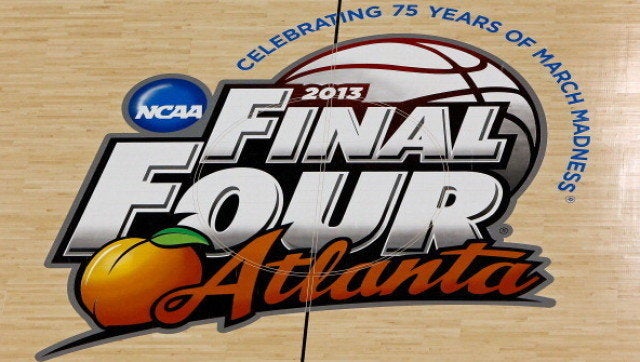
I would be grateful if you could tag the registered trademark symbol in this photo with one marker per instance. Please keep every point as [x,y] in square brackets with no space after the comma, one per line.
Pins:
[505,230]
[570,199]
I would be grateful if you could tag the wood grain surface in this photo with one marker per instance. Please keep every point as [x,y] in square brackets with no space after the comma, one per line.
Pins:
[66,65]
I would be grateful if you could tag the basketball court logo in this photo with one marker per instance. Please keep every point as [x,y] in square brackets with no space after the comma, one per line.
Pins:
[376,172]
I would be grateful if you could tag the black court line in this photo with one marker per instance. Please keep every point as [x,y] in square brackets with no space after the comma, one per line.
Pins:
[305,330]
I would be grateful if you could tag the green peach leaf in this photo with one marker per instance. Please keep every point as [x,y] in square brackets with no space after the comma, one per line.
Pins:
[176,237]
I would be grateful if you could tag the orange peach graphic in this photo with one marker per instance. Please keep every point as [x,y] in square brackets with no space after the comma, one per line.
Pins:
[124,279]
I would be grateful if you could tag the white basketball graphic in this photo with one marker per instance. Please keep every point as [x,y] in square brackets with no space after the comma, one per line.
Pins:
[434,71]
